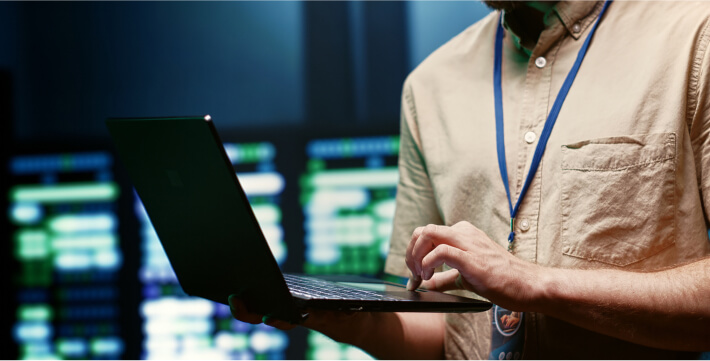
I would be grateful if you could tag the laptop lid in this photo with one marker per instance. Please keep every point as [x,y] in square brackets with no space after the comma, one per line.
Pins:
[206,225]
[187,185]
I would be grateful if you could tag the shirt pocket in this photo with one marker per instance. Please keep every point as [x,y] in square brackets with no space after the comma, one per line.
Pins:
[618,198]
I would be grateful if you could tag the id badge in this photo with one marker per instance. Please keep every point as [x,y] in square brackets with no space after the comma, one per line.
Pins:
[507,334]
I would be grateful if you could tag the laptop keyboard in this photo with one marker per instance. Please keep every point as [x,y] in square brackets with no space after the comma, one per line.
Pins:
[313,288]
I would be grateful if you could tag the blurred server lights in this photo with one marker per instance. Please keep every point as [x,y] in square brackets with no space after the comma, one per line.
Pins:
[348,201]
[348,198]
[177,326]
[64,228]
[64,216]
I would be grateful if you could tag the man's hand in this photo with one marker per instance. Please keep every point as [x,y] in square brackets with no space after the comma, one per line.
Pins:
[385,335]
[666,308]
[480,265]
[331,323]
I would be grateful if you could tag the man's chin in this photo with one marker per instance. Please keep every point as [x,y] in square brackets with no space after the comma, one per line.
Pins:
[504,5]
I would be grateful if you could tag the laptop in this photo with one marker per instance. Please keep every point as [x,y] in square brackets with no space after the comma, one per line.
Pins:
[205,223]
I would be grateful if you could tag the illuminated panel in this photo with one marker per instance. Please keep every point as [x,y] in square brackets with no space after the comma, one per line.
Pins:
[348,198]
[177,326]
[63,211]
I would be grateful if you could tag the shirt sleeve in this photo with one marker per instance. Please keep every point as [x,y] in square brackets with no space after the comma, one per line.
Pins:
[700,116]
[415,203]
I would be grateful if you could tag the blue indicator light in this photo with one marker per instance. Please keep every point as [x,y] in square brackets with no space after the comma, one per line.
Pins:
[35,164]
[352,148]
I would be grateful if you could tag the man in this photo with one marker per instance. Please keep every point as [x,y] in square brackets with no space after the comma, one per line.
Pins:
[609,246]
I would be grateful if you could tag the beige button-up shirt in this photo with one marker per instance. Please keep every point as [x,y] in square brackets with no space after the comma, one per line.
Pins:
[625,179]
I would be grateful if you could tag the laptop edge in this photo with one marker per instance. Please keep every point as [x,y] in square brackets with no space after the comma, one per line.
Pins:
[194,200]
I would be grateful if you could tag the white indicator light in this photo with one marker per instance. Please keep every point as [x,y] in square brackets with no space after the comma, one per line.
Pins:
[26,213]
[261,184]
[371,178]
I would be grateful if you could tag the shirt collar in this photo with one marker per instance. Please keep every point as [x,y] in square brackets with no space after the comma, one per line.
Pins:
[575,16]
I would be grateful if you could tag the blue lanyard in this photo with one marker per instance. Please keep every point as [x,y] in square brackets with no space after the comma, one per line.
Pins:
[547,129]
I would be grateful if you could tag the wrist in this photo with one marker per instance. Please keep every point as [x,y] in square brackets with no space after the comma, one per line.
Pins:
[544,286]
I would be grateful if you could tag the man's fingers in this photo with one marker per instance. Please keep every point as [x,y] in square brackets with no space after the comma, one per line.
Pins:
[442,281]
[281,325]
[452,256]
[408,254]
[413,283]
[432,236]
[239,311]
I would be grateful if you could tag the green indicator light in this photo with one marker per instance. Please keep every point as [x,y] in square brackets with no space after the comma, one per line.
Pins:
[68,223]
[364,177]
[75,192]
[394,145]
[225,325]
[96,346]
[250,153]
[32,351]
[103,346]
[255,153]
[315,165]
[34,313]
[67,163]
[347,145]
[31,236]
[305,183]
[246,153]
[66,243]
[31,245]
[306,197]
[241,341]
[243,153]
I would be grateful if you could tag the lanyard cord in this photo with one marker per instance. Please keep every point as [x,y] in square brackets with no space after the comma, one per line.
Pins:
[547,129]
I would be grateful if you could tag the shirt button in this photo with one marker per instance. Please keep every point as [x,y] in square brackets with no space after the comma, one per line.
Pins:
[540,62]
[576,28]
[524,225]
[530,137]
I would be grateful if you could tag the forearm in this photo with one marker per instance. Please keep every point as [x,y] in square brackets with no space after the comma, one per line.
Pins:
[667,309]
[387,335]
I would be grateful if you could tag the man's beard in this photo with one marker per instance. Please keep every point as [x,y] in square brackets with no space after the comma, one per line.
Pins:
[509,5]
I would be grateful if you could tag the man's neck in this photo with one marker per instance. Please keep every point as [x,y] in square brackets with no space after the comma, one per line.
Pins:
[527,22]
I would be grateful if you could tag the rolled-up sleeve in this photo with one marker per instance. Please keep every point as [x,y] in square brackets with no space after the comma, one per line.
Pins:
[415,205]
[699,113]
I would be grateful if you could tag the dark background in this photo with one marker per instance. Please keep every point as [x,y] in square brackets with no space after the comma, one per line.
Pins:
[251,65]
